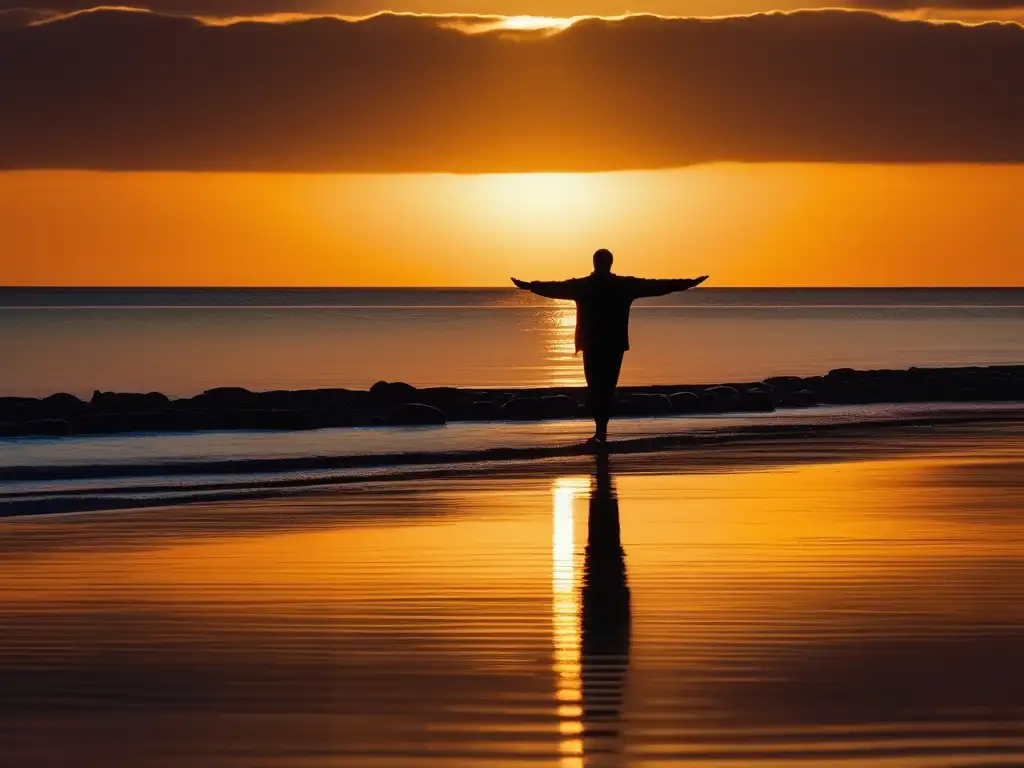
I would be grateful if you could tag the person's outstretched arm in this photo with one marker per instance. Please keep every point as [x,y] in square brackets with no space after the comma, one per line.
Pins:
[554,289]
[644,288]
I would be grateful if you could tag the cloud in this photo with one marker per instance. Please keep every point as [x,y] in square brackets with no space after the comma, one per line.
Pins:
[20,17]
[959,5]
[963,10]
[115,89]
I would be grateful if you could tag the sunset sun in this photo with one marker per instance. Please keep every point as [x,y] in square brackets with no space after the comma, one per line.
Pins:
[530,23]
[540,201]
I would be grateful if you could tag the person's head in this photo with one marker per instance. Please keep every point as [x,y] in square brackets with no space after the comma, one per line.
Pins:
[603,260]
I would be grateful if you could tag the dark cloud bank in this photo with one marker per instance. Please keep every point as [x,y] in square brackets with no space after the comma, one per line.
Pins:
[232,8]
[958,5]
[131,90]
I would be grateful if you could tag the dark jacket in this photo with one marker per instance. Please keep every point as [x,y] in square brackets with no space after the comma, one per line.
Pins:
[602,304]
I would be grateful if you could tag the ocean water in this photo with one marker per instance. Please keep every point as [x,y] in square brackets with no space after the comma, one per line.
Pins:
[182,341]
[798,603]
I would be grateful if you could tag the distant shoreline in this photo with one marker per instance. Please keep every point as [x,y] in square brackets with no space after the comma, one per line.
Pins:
[401,404]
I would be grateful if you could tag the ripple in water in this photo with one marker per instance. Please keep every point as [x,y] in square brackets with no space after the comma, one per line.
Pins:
[847,613]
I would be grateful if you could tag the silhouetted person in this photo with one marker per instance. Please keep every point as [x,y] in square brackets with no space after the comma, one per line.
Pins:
[605,621]
[603,301]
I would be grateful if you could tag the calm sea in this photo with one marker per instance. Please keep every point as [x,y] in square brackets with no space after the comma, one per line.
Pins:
[182,341]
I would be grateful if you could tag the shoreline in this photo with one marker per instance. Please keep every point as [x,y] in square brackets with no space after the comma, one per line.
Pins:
[57,489]
[401,404]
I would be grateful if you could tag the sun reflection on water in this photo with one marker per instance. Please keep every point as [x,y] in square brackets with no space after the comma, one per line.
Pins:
[565,369]
[565,619]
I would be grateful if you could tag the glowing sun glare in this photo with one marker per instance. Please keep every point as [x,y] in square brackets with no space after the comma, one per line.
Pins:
[531,23]
[538,201]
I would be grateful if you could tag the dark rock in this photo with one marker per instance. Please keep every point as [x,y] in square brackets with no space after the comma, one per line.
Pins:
[533,408]
[307,399]
[756,400]
[685,402]
[10,406]
[393,392]
[11,430]
[658,404]
[484,410]
[454,402]
[62,406]
[19,409]
[643,404]
[257,418]
[719,399]
[321,418]
[415,414]
[279,399]
[48,427]
[220,398]
[784,382]
[843,373]
[999,386]
[802,398]
[129,402]
[144,421]
[846,386]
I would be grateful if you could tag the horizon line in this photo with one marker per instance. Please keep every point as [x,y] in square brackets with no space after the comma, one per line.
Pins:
[491,287]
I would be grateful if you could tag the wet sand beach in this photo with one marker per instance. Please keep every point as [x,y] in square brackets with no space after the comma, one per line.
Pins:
[824,600]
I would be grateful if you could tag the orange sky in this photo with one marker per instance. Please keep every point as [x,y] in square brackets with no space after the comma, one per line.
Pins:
[331,96]
[768,224]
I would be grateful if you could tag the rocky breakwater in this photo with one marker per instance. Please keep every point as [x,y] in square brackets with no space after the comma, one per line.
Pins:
[400,404]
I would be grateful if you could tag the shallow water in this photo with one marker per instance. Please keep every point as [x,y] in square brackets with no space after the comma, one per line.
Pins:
[71,474]
[817,608]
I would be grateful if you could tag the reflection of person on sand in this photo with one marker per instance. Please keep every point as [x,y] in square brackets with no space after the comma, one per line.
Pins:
[605,621]
[603,301]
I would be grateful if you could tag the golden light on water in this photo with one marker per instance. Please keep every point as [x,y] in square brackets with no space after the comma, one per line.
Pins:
[782,608]
[565,369]
[565,611]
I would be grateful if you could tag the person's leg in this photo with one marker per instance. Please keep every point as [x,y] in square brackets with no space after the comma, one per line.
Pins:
[611,365]
[601,368]
[591,372]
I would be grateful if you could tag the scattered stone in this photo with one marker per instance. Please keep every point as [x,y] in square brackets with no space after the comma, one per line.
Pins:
[12,408]
[842,373]
[410,414]
[456,403]
[47,427]
[129,402]
[643,404]
[719,399]
[62,406]
[393,392]
[258,419]
[144,421]
[484,410]
[802,398]
[784,382]
[535,408]
[401,403]
[757,400]
[226,398]
[685,402]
